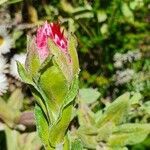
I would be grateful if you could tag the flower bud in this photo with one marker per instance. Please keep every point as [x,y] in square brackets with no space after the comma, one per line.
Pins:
[52,70]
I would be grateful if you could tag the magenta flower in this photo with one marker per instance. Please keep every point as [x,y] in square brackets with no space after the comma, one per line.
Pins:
[53,32]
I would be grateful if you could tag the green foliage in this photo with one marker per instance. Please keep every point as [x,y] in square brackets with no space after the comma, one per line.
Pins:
[33,60]
[112,127]
[42,126]
[88,95]
[21,141]
[129,134]
[77,145]
[116,112]
[72,46]
[10,111]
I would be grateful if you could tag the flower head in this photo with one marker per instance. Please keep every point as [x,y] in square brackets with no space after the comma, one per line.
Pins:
[58,36]
[3,83]
[5,41]
[3,65]
[53,32]
[51,41]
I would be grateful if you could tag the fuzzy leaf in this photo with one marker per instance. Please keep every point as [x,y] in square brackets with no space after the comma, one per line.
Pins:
[88,95]
[116,112]
[88,140]
[32,63]
[16,99]
[58,130]
[62,60]
[126,138]
[7,114]
[72,48]
[67,142]
[25,77]
[23,74]
[28,141]
[105,131]
[72,92]
[77,145]
[135,98]
[42,127]
[11,135]
[129,134]
[88,130]
[40,101]
[60,126]
[132,127]
[85,115]
[55,87]
[45,64]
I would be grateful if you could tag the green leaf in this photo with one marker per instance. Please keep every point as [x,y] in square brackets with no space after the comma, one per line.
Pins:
[7,114]
[127,12]
[77,145]
[72,92]
[85,115]
[36,90]
[101,15]
[146,107]
[16,99]
[72,48]
[54,85]
[67,142]
[87,140]
[47,63]
[117,111]
[11,135]
[59,127]
[58,130]
[135,98]
[42,127]
[25,77]
[88,130]
[21,141]
[62,60]
[28,141]
[23,74]
[129,134]
[105,131]
[32,63]
[42,103]
[132,127]
[88,95]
